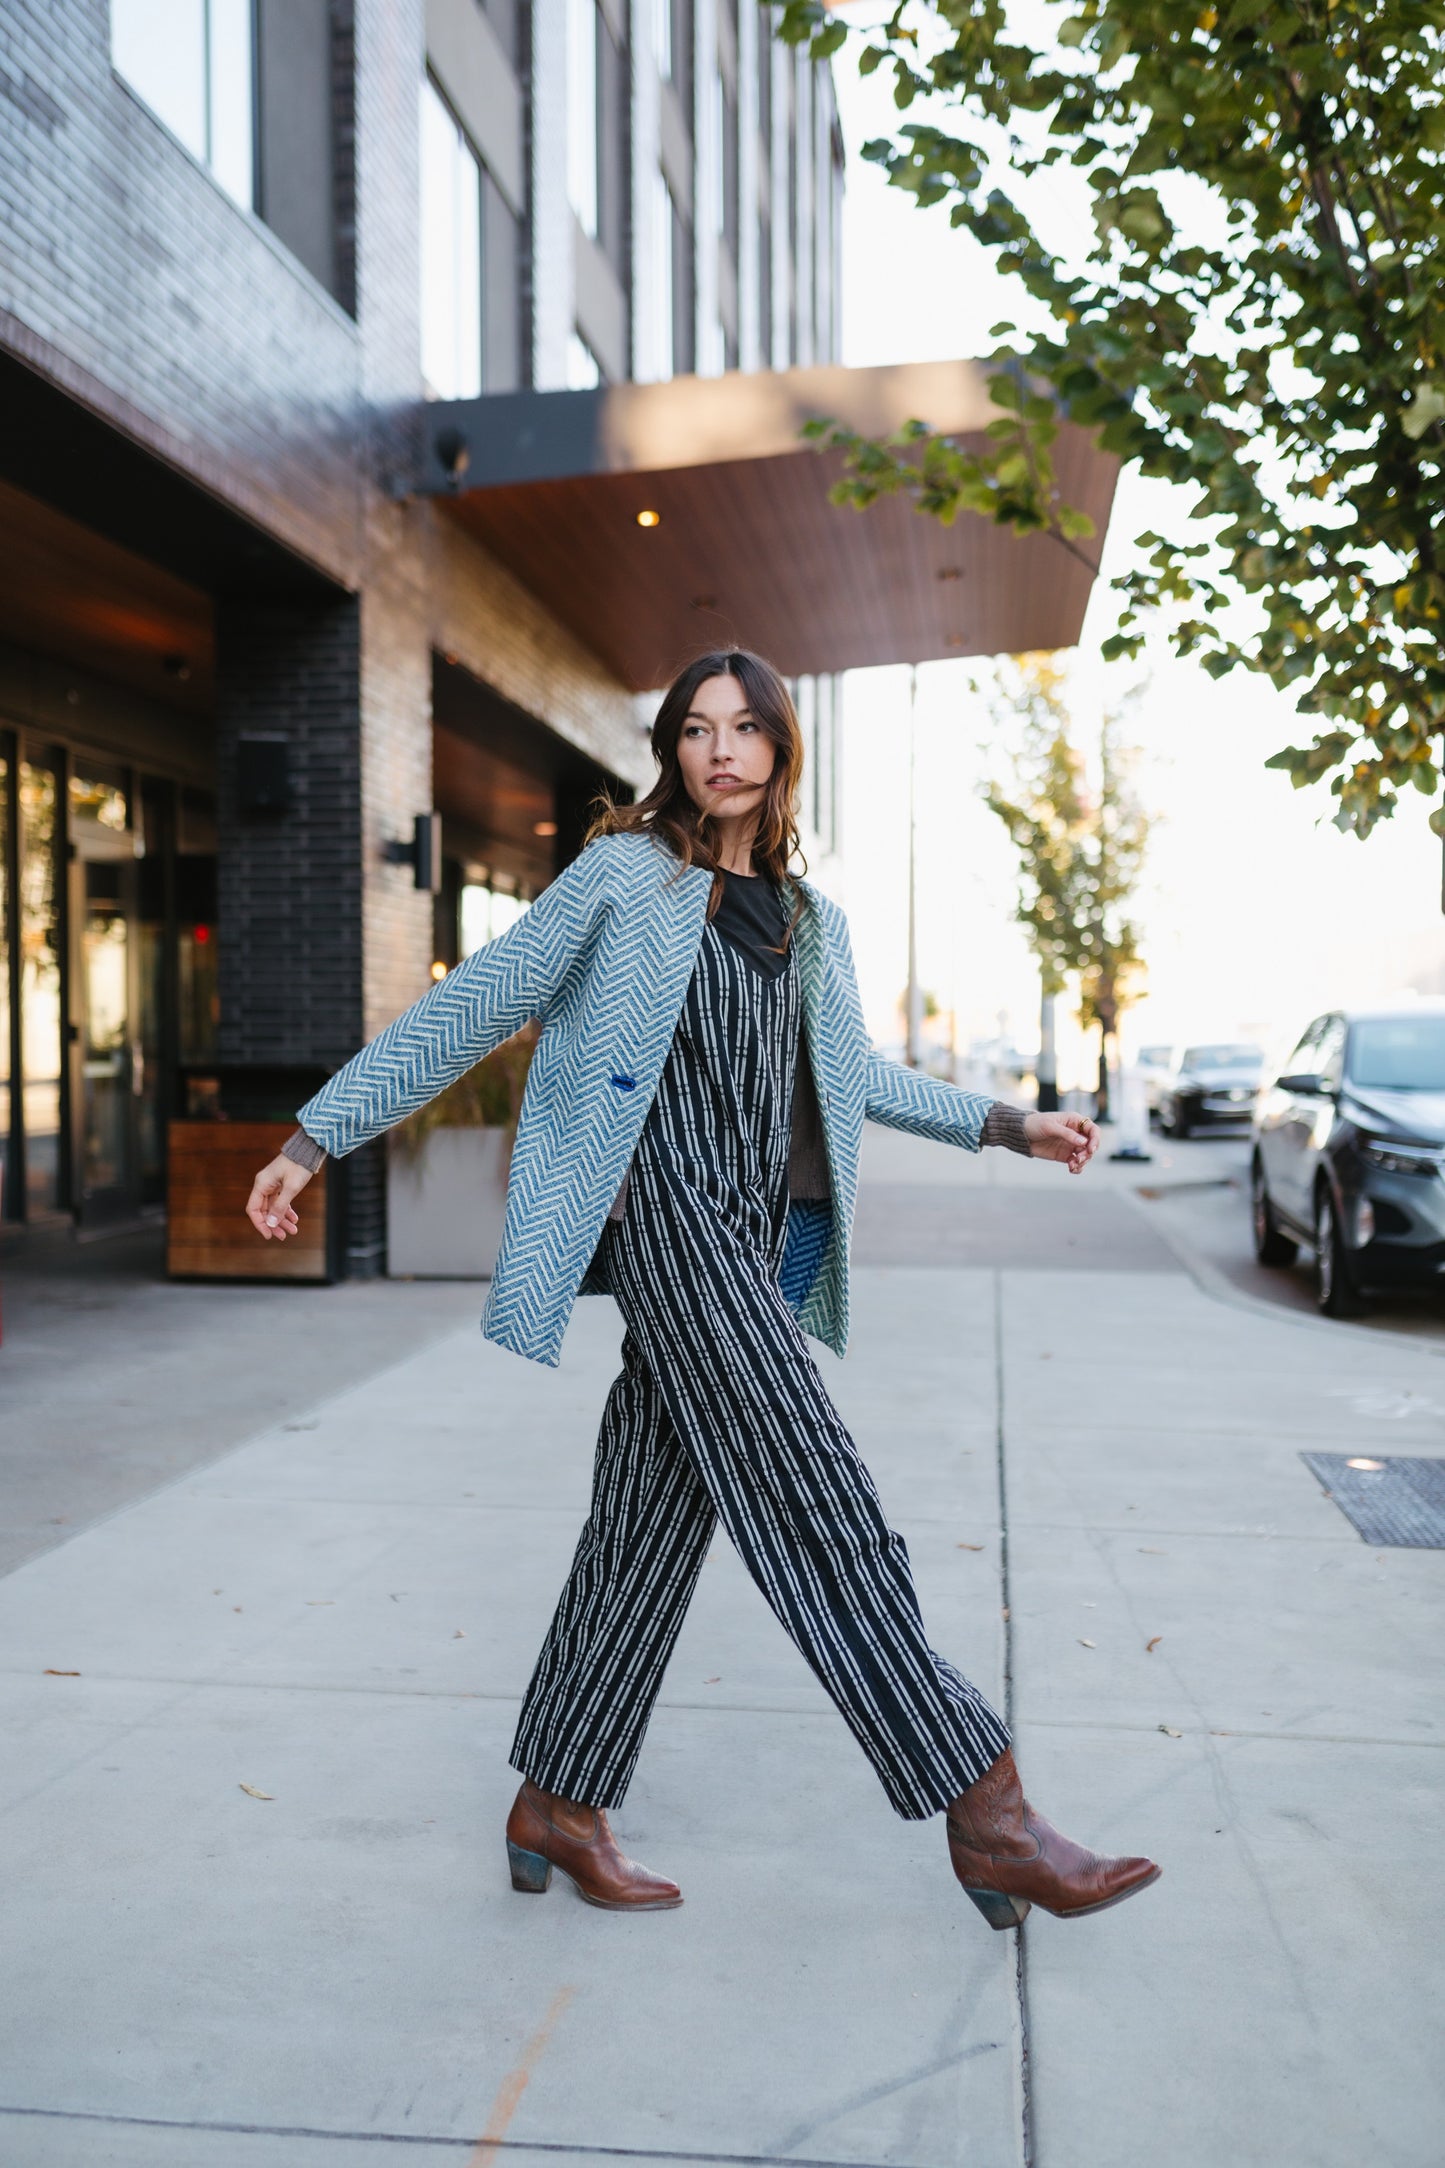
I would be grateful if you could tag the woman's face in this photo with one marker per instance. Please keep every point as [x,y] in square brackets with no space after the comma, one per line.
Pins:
[725,756]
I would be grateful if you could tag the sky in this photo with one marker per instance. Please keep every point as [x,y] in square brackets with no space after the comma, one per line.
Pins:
[1256,912]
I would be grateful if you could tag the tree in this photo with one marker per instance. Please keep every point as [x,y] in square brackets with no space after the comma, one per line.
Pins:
[1080,850]
[1260,318]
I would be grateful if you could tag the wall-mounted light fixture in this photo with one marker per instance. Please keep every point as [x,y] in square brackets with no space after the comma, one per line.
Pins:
[649,518]
[454,455]
[423,854]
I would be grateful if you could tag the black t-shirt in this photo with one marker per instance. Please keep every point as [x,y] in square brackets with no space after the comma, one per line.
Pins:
[754,918]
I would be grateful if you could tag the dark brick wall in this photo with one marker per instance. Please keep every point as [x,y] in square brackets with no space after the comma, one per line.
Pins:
[291,885]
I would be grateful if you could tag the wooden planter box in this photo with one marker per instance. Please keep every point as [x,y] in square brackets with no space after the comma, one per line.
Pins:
[445,1205]
[208,1237]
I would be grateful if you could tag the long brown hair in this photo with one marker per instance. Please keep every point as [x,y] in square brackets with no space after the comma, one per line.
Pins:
[668,813]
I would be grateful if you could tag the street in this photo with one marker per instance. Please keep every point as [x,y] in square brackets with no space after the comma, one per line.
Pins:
[259,1905]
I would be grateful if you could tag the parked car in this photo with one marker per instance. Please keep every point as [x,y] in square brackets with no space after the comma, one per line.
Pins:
[1214,1085]
[1155,1064]
[1349,1153]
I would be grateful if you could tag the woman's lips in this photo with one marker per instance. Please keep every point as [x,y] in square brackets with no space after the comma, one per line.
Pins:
[727,782]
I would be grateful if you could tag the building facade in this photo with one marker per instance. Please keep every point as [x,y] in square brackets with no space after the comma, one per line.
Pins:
[244,246]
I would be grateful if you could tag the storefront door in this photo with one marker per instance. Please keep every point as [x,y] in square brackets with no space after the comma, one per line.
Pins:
[109,1065]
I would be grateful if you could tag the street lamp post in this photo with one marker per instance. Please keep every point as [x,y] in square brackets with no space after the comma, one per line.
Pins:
[914,997]
[1048,1070]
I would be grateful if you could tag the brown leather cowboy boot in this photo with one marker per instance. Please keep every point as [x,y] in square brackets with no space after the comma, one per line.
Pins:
[1008,1857]
[545,1831]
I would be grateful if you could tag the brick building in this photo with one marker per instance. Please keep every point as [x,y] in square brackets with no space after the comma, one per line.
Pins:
[353,356]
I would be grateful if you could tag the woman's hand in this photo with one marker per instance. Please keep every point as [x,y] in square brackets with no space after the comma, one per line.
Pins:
[1070,1137]
[268,1207]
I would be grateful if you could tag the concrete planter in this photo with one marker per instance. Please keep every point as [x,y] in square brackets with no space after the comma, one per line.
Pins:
[444,1205]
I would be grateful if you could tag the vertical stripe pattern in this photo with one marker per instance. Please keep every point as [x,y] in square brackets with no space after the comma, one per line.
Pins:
[720,1414]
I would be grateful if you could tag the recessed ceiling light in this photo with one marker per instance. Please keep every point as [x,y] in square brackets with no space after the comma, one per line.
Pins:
[544,828]
[648,519]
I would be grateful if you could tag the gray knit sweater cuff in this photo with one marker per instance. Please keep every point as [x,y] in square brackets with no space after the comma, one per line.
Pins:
[1004,1125]
[305,1151]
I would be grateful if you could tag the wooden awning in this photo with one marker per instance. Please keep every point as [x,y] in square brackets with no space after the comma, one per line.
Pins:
[744,545]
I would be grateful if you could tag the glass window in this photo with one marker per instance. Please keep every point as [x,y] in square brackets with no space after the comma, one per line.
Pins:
[725,160]
[1399,1054]
[39,929]
[7,815]
[1302,1060]
[1223,1056]
[583,370]
[662,35]
[502,290]
[582,112]
[193,63]
[486,913]
[663,301]
[450,253]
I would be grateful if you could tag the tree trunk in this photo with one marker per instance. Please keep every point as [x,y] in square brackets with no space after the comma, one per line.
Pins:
[1101,1096]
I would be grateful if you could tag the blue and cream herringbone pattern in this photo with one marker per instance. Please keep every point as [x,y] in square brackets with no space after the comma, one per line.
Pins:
[603,958]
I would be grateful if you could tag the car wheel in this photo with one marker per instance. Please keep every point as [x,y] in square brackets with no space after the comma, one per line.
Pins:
[1271,1247]
[1335,1290]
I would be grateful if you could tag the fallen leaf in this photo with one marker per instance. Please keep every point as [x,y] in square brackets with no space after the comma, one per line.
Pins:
[235,1607]
[1147,1550]
[1169,1732]
[50,1673]
[968,1546]
[459,1635]
[252,1793]
[319,1603]
[716,1680]
[1004,1613]
[1083,1644]
[1151,1646]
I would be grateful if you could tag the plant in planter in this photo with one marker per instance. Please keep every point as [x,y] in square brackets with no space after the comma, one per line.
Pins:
[447,1170]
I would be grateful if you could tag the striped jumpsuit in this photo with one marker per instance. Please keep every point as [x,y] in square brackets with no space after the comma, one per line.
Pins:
[720,1414]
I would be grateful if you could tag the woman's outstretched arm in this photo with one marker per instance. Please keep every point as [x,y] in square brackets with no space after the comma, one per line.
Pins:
[925,1106]
[490,995]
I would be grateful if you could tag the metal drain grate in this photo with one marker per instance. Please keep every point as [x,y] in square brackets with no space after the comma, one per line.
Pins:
[1395,1504]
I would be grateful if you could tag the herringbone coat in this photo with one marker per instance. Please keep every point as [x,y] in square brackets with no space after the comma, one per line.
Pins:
[603,959]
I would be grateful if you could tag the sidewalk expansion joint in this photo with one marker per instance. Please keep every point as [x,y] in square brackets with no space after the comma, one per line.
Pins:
[440,2140]
[1021,1953]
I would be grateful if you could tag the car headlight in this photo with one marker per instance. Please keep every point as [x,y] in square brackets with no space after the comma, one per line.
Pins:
[1399,1158]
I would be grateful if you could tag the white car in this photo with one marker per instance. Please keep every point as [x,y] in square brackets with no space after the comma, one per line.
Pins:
[1155,1064]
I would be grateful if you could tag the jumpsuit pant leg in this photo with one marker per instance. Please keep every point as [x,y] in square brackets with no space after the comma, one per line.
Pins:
[722,1411]
[620,1613]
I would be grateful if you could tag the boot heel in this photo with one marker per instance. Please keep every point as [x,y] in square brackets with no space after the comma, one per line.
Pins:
[530,1871]
[998,1909]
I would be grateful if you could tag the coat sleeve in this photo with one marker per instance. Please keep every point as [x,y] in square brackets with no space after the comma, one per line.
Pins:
[490,995]
[897,1097]
[925,1106]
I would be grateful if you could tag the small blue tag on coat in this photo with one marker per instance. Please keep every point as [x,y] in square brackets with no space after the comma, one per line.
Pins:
[624,1083]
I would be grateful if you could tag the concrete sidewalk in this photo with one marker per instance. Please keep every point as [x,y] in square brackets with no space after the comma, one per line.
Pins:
[343,1616]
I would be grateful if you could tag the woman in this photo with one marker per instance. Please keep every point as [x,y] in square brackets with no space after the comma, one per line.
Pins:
[689,1142]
